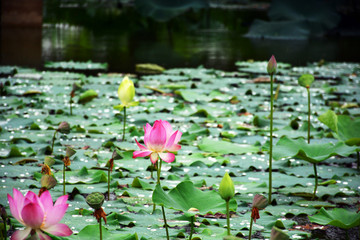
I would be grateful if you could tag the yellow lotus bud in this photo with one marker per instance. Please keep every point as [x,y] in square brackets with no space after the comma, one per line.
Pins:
[226,189]
[126,91]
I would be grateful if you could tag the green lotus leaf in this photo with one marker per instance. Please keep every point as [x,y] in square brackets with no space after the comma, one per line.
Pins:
[338,217]
[211,145]
[185,197]
[313,153]
[87,96]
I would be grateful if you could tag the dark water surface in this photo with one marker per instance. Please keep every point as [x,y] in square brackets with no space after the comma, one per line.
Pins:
[123,39]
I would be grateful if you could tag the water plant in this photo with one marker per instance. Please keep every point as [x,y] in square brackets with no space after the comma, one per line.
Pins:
[227,192]
[305,81]
[96,200]
[313,153]
[66,160]
[337,217]
[259,203]
[38,214]
[64,128]
[110,165]
[126,93]
[160,140]
[75,87]
[271,69]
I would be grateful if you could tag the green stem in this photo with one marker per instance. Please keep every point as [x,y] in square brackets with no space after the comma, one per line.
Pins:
[250,230]
[53,141]
[166,226]
[316,181]
[109,184]
[192,227]
[123,138]
[5,231]
[70,105]
[100,229]
[158,180]
[228,217]
[64,179]
[358,161]
[309,112]
[271,135]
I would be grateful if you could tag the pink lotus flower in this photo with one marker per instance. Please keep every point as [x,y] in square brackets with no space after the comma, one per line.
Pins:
[159,141]
[38,215]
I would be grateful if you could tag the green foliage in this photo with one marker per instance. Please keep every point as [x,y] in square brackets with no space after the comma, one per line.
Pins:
[337,217]
[306,80]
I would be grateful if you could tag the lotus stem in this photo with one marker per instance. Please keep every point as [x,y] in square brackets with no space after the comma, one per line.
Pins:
[123,138]
[271,135]
[228,217]
[71,104]
[316,182]
[166,226]
[309,112]
[158,178]
[53,141]
[109,184]
[5,231]
[64,179]
[100,229]
[192,227]
[358,160]
[250,230]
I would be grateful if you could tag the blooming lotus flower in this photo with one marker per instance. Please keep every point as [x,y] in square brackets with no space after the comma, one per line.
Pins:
[38,215]
[159,140]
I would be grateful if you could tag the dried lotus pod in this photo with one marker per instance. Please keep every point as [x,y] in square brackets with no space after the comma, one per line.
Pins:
[95,200]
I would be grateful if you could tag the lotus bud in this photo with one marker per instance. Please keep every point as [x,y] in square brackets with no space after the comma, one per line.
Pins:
[126,91]
[70,152]
[48,181]
[226,189]
[64,127]
[277,234]
[3,212]
[272,65]
[95,200]
[260,202]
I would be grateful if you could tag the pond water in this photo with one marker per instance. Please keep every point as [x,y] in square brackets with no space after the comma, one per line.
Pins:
[123,38]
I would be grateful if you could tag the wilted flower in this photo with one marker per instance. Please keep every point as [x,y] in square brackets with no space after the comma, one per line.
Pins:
[272,65]
[259,203]
[64,127]
[227,189]
[38,214]
[46,169]
[159,141]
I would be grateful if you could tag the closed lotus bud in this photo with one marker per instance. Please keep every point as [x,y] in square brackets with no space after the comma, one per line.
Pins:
[260,202]
[277,234]
[70,152]
[272,65]
[95,200]
[64,127]
[48,181]
[126,91]
[226,189]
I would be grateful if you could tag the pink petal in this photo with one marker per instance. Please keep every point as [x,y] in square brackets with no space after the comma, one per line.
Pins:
[178,136]
[61,200]
[157,138]
[42,235]
[15,211]
[59,229]
[46,201]
[154,157]
[174,148]
[18,203]
[21,234]
[171,140]
[168,128]
[32,197]
[147,130]
[137,154]
[32,215]
[167,157]
[140,146]
[55,214]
